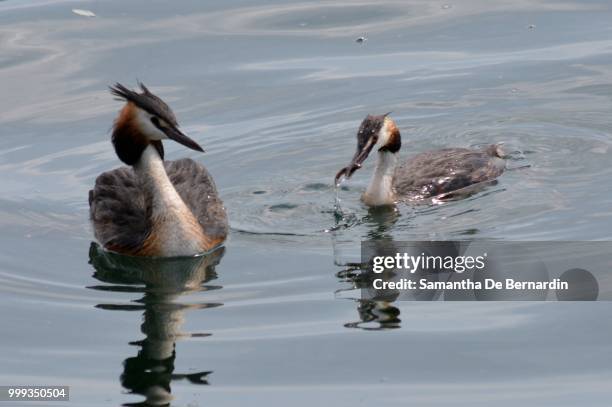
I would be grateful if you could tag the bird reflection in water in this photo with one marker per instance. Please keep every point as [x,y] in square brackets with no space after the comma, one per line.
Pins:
[379,314]
[161,282]
[375,306]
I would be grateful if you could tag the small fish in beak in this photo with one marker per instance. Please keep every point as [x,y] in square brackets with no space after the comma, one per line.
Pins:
[367,137]
[357,161]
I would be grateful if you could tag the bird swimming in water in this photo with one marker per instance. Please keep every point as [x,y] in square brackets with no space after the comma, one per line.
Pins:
[432,174]
[154,207]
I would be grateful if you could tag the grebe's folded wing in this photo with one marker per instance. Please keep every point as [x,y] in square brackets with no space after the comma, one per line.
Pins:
[197,189]
[440,171]
[118,211]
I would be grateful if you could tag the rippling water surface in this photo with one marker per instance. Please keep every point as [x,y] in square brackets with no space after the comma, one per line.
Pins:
[275,91]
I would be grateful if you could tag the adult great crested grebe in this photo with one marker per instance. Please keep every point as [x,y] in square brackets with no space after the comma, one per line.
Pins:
[155,207]
[430,174]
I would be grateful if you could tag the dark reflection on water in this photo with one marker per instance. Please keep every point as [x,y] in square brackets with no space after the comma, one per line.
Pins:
[376,315]
[160,283]
[379,312]
[373,315]
[381,221]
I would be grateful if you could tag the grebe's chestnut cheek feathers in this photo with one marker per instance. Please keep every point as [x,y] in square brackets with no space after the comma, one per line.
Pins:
[389,138]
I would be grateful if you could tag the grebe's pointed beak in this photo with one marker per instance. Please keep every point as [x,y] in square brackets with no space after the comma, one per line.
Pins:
[175,134]
[357,161]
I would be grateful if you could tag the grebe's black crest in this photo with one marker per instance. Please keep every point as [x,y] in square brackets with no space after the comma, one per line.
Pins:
[144,120]
[146,101]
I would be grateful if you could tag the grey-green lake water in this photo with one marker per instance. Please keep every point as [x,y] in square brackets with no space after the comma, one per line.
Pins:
[275,91]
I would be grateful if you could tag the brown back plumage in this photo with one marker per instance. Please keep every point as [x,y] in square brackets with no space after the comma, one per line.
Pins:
[121,212]
[441,171]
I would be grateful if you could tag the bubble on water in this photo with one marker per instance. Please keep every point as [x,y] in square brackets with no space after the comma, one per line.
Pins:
[84,13]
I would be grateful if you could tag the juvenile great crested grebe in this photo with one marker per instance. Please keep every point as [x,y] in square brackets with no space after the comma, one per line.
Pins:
[430,174]
[155,207]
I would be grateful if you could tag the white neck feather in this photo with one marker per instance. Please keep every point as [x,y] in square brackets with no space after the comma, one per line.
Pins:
[172,220]
[380,191]
[150,169]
